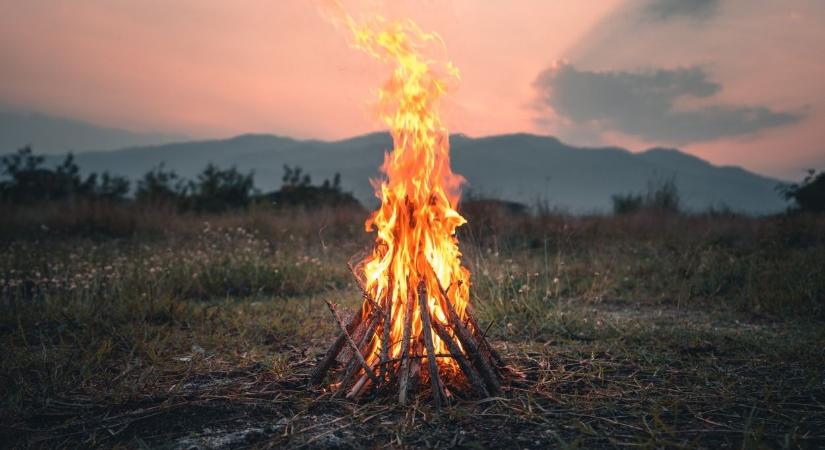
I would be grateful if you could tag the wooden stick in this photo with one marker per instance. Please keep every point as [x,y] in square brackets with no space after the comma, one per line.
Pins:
[415,367]
[359,386]
[385,335]
[366,295]
[364,340]
[332,353]
[405,350]
[437,355]
[352,344]
[445,392]
[469,345]
[465,366]
[499,362]
[428,343]
[356,388]
[468,342]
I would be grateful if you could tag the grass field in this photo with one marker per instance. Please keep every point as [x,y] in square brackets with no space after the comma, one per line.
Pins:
[128,328]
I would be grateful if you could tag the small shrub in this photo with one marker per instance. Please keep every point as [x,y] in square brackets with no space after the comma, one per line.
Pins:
[809,195]
[161,187]
[662,196]
[298,190]
[28,182]
[627,203]
[217,190]
[113,188]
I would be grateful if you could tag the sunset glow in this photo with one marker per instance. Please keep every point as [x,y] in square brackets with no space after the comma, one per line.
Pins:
[218,70]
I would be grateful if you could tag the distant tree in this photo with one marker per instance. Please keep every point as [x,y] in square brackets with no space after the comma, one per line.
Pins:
[809,195]
[20,169]
[111,187]
[293,178]
[161,187]
[662,196]
[627,203]
[217,190]
[297,190]
[27,181]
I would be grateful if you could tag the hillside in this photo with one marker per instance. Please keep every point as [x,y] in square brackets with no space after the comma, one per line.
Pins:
[518,167]
[52,134]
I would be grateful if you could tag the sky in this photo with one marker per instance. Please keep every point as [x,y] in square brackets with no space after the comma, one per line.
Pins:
[736,82]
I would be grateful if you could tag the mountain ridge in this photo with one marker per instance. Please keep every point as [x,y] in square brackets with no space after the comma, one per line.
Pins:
[521,167]
[54,134]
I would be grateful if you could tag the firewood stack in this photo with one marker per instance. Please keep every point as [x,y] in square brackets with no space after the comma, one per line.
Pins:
[479,365]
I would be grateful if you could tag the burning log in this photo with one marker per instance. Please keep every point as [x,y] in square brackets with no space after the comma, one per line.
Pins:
[355,350]
[331,354]
[432,366]
[469,343]
[405,352]
[385,343]
[353,363]
[407,315]
[468,349]
[455,352]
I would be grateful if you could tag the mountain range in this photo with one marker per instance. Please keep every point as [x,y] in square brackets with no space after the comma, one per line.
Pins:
[517,167]
[52,134]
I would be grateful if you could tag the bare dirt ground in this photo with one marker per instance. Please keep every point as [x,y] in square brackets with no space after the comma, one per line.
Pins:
[650,376]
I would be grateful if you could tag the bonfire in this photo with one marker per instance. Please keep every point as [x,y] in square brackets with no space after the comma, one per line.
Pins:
[415,326]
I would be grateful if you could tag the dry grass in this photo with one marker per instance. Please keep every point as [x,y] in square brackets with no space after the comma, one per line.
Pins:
[649,331]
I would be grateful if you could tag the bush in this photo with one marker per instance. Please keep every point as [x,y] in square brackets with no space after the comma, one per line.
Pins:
[808,196]
[111,188]
[627,203]
[214,190]
[297,190]
[662,196]
[160,187]
[29,182]
[218,190]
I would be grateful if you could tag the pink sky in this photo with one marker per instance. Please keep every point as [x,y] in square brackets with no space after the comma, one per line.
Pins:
[219,68]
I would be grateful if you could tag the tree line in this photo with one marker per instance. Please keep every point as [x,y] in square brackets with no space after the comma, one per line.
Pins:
[662,196]
[27,181]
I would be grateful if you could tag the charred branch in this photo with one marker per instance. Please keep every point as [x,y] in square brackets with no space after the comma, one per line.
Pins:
[432,365]
[455,352]
[384,366]
[405,350]
[332,354]
[355,349]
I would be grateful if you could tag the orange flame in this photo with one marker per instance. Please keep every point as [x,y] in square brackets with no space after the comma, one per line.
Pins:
[415,225]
